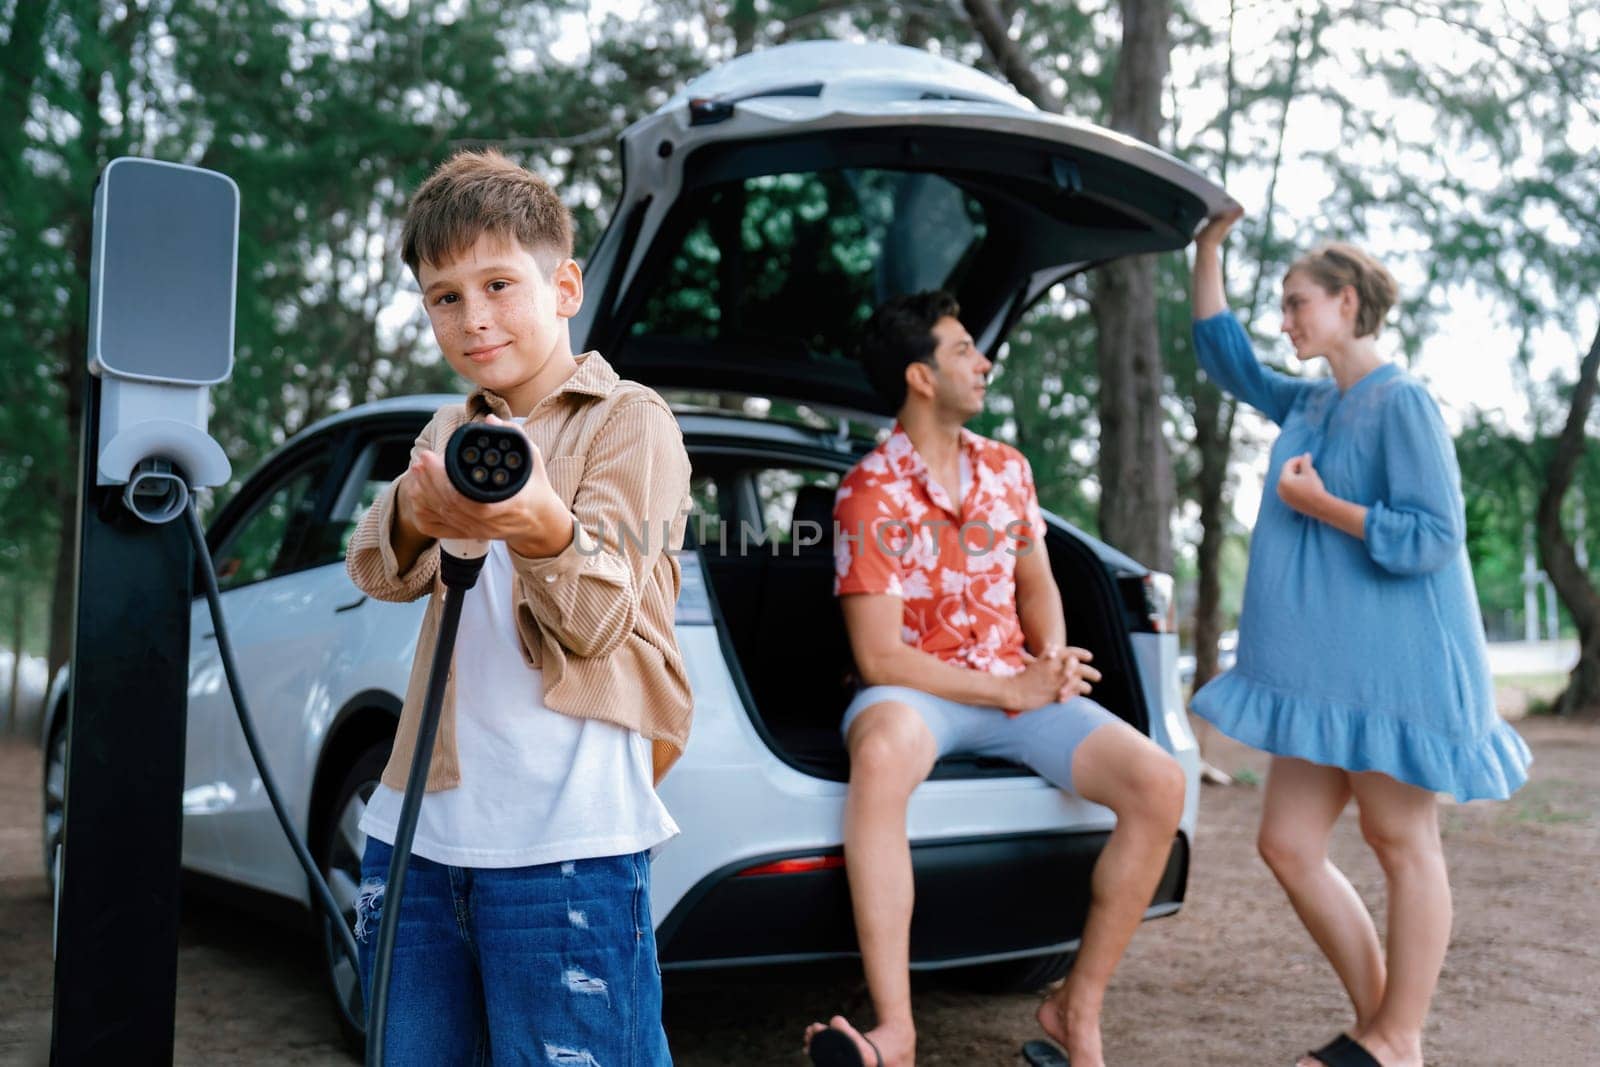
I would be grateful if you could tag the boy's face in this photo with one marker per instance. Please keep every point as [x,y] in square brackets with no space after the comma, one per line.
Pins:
[501,319]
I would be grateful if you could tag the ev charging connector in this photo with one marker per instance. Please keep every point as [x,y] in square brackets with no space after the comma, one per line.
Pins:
[485,463]
[160,335]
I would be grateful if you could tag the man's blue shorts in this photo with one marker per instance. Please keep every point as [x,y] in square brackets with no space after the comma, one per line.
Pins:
[1043,740]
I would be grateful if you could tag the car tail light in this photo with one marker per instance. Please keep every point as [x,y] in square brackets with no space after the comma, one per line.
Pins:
[798,865]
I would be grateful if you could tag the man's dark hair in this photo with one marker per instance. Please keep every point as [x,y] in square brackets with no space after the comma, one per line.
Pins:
[899,334]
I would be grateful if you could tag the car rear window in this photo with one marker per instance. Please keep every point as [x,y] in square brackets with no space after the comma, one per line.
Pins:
[805,257]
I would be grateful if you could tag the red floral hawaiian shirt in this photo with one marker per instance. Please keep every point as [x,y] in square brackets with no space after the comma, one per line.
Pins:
[953,568]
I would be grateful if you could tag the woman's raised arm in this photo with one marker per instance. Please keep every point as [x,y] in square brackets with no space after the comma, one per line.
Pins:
[1209,295]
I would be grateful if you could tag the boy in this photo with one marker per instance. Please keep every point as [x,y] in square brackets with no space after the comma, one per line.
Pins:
[525,932]
[942,616]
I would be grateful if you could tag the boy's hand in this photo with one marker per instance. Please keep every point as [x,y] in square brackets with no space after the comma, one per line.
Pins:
[534,523]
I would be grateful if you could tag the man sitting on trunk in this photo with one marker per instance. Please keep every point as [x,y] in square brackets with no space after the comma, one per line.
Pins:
[958,634]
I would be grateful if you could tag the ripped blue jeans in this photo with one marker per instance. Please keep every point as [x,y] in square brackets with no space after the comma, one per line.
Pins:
[551,964]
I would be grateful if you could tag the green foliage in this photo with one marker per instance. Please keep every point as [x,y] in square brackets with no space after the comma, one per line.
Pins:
[1503,181]
[1042,400]
[329,115]
[1501,477]
[751,242]
[326,120]
[1460,164]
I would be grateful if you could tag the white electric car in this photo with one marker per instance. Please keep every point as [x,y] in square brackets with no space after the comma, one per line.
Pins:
[766,209]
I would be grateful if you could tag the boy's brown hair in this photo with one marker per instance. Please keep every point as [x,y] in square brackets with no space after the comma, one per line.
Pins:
[482,192]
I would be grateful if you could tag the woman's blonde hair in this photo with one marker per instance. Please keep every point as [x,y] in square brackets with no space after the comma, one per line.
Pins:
[1335,265]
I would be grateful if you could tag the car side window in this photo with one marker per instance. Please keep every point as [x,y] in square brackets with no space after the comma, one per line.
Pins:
[380,462]
[778,488]
[703,496]
[705,509]
[264,543]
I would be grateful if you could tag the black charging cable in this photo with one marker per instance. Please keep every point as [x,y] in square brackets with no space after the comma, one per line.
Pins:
[319,885]
[486,464]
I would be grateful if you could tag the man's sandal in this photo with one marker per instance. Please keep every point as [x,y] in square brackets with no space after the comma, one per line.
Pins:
[833,1048]
[1344,1051]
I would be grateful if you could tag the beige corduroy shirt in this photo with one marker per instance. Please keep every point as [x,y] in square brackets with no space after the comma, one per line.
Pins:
[597,618]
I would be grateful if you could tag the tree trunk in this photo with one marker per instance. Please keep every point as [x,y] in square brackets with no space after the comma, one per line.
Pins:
[916,31]
[1213,439]
[991,22]
[1556,553]
[62,607]
[1136,486]
[1142,64]
[73,356]
[1213,419]
[742,18]
[1137,515]
[1136,481]
[19,613]
[22,58]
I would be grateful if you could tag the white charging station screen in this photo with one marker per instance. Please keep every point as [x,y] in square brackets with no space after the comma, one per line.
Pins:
[166,285]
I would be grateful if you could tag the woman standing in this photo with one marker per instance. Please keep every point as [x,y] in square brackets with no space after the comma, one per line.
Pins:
[1361,661]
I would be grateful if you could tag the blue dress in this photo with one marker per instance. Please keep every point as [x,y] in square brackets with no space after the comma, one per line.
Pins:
[1362,654]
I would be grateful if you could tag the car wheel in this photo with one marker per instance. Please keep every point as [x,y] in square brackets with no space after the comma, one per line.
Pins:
[1027,975]
[340,844]
[55,801]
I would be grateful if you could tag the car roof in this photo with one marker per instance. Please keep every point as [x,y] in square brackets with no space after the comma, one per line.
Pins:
[699,423]
[846,71]
[695,421]
[897,142]
[864,83]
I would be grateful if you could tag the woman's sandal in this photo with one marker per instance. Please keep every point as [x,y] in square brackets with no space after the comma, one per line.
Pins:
[1344,1051]
[1044,1054]
[833,1048]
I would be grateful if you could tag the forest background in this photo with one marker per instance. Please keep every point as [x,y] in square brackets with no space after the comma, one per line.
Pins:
[1458,140]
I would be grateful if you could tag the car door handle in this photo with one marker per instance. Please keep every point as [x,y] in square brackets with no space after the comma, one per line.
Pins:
[362,599]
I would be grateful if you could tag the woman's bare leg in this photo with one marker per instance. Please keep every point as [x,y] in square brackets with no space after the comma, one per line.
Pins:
[1401,823]
[1303,801]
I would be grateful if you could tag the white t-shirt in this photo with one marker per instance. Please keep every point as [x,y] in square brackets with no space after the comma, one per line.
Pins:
[536,786]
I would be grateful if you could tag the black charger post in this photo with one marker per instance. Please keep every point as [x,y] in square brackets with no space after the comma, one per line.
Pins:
[160,334]
[164,229]
[165,237]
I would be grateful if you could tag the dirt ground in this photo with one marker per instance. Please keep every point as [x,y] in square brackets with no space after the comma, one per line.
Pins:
[1231,979]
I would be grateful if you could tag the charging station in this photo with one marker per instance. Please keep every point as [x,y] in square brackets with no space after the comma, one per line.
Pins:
[161,313]
[161,305]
